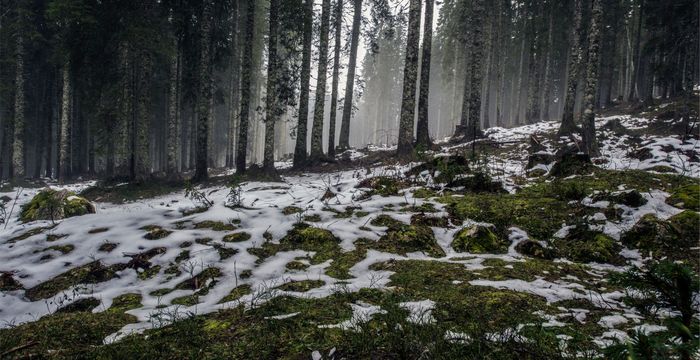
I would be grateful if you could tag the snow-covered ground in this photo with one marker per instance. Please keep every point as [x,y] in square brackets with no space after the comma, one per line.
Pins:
[262,214]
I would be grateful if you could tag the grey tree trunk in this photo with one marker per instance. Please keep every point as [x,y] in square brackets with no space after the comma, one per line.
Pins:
[548,68]
[344,140]
[234,98]
[303,121]
[502,60]
[64,132]
[476,71]
[271,105]
[568,125]
[246,73]
[336,73]
[141,164]
[18,140]
[589,141]
[204,93]
[423,128]
[410,76]
[317,129]
[634,91]
[173,111]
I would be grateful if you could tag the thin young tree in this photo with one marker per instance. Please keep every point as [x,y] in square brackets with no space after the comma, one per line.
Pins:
[410,76]
[344,140]
[320,101]
[422,128]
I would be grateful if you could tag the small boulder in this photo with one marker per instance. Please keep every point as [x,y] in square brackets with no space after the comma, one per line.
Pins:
[53,205]
[534,249]
[686,197]
[478,239]
[589,246]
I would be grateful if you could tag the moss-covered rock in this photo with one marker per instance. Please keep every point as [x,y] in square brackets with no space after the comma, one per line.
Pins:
[631,198]
[686,197]
[51,204]
[237,237]
[429,220]
[382,185]
[384,220]
[534,249]
[572,163]
[443,168]
[155,232]
[673,238]
[479,182]
[584,245]
[478,239]
[306,236]
[90,273]
[402,239]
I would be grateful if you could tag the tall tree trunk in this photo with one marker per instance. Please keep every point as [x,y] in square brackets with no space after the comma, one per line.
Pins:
[271,103]
[141,153]
[423,126]
[502,60]
[548,68]
[344,141]
[336,73]
[234,94]
[246,73]
[532,112]
[303,120]
[589,141]
[476,71]
[634,90]
[173,110]
[18,170]
[568,125]
[317,128]
[204,93]
[410,76]
[64,133]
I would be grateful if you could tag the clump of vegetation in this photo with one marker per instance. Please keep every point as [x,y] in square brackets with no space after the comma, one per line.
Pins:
[214,225]
[382,185]
[197,196]
[584,245]
[125,302]
[673,238]
[572,163]
[443,169]
[155,232]
[429,220]
[296,266]
[478,182]
[54,205]
[291,210]
[8,282]
[91,273]
[662,285]
[686,197]
[402,239]
[237,237]
[534,249]
[237,292]
[478,239]
[384,220]
[234,199]
[631,198]
[301,286]
[308,237]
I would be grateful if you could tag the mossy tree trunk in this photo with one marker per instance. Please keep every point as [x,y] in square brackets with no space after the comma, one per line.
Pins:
[568,125]
[423,129]
[64,129]
[344,140]
[336,73]
[589,141]
[303,120]
[204,93]
[246,73]
[319,104]
[271,102]
[475,71]
[410,76]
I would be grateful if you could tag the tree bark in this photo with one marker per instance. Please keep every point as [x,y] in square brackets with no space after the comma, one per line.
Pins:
[476,71]
[423,126]
[234,95]
[272,107]
[303,120]
[204,93]
[18,170]
[64,132]
[633,94]
[568,125]
[336,73]
[548,68]
[319,104]
[246,73]
[589,140]
[410,76]
[173,110]
[344,140]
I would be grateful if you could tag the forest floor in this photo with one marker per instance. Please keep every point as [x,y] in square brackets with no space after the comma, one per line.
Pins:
[498,255]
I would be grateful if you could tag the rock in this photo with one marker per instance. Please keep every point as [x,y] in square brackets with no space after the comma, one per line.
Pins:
[8,282]
[403,239]
[534,249]
[631,198]
[584,245]
[478,239]
[571,163]
[53,205]
[427,220]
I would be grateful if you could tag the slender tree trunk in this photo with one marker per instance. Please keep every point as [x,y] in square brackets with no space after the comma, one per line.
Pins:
[410,76]
[246,73]
[336,73]
[234,101]
[64,133]
[317,129]
[18,170]
[502,60]
[303,121]
[142,163]
[548,68]
[204,93]
[476,71]
[519,84]
[633,95]
[423,127]
[173,110]
[344,141]
[568,125]
[272,108]
[589,140]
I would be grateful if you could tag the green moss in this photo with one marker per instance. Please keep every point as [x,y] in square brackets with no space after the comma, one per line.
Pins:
[63,249]
[30,233]
[90,273]
[301,286]
[237,237]
[424,193]
[312,218]
[361,214]
[385,220]
[224,252]
[672,239]
[200,280]
[183,255]
[187,300]
[214,225]
[107,247]
[125,302]
[155,232]
[584,245]
[478,239]
[290,210]
[534,249]
[403,239]
[382,185]
[427,220]
[160,292]
[686,197]
[296,266]
[236,293]
[149,273]
[443,168]
[309,238]
[50,204]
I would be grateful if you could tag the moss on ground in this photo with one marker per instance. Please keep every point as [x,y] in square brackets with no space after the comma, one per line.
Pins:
[403,239]
[155,232]
[478,239]
[686,197]
[301,286]
[50,204]
[90,273]
[214,225]
[237,237]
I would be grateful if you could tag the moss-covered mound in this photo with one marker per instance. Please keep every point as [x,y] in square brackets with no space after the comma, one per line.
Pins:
[308,237]
[478,239]
[385,220]
[686,197]
[90,273]
[534,249]
[584,245]
[631,198]
[237,237]
[382,185]
[429,220]
[673,238]
[443,169]
[402,239]
[51,204]
[572,163]
[480,182]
